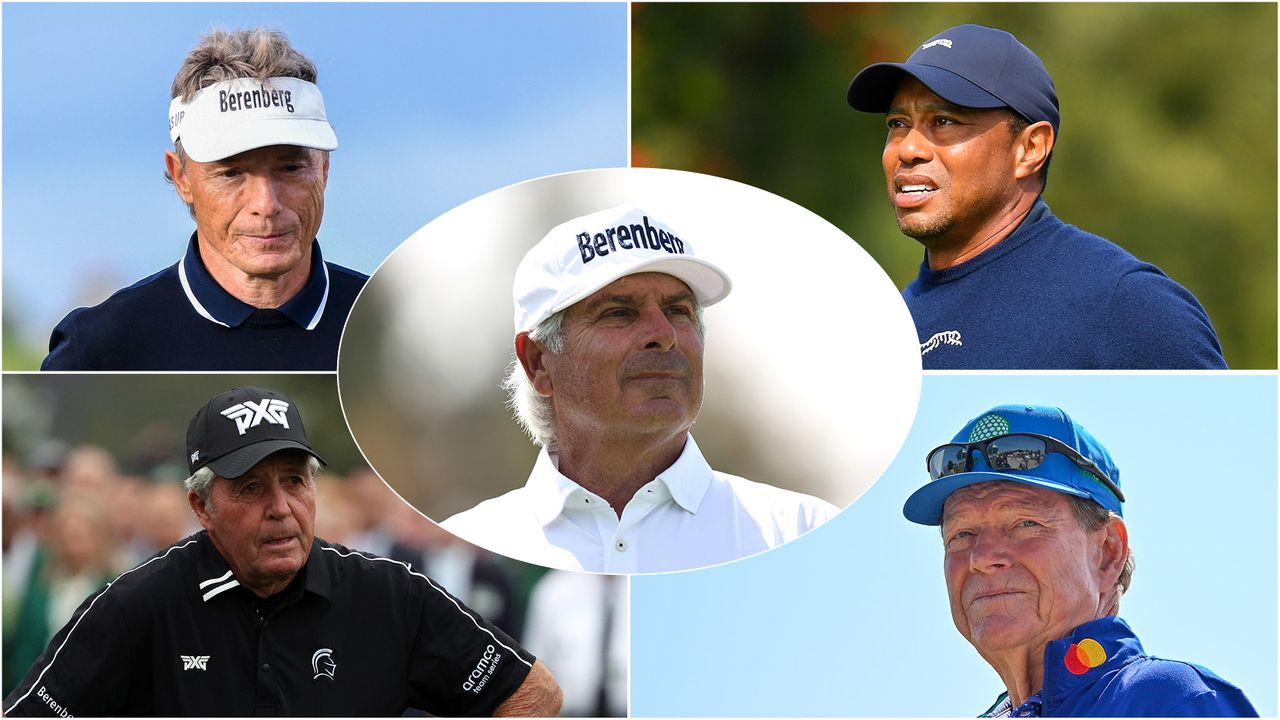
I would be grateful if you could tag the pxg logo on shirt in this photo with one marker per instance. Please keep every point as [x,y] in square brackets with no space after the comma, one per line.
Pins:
[637,236]
[251,414]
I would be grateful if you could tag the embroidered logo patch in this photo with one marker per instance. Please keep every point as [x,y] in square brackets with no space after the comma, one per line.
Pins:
[989,426]
[195,662]
[1084,655]
[322,664]
[946,337]
[250,414]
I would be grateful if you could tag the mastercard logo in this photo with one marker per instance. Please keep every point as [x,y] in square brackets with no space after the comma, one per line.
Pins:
[1084,655]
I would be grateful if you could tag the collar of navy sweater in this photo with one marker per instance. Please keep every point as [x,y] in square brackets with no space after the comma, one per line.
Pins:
[1019,237]
[213,303]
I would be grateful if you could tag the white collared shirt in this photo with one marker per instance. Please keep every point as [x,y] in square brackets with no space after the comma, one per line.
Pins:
[690,516]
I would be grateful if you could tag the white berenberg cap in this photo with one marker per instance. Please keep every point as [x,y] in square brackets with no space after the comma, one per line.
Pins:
[587,253]
[232,116]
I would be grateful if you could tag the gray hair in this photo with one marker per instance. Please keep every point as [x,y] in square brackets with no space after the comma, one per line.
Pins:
[532,410]
[257,53]
[201,482]
[1092,516]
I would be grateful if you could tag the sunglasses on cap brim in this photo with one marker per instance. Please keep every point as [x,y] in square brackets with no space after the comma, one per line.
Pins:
[1015,451]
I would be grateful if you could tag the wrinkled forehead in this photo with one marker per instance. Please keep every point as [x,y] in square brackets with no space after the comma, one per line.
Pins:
[1000,495]
[638,287]
[269,154]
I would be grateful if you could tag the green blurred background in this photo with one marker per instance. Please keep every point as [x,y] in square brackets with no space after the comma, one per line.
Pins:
[1167,145]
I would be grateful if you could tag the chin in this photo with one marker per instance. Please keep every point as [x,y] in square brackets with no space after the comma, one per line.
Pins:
[922,227]
[996,634]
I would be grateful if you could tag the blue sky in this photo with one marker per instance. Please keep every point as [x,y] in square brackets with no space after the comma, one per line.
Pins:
[852,619]
[432,104]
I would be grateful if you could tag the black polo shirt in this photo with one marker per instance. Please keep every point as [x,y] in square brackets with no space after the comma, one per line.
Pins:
[181,319]
[352,635]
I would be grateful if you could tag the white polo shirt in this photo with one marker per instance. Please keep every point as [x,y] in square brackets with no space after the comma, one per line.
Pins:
[690,516]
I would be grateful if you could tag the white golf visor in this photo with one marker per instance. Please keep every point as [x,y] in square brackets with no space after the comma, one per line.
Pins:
[587,253]
[232,116]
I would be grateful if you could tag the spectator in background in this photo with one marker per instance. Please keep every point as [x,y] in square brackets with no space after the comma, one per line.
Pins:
[76,559]
[166,518]
[377,505]
[471,574]
[589,654]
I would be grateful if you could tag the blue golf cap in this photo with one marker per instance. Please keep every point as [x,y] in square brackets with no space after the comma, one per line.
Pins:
[967,65]
[1056,472]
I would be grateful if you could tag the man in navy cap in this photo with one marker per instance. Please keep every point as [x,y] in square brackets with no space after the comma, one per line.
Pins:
[1036,557]
[973,119]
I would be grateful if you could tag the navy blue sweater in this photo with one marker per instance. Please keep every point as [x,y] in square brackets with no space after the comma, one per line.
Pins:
[1051,296]
[181,319]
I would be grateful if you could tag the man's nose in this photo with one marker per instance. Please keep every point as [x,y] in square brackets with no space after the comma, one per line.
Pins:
[263,195]
[659,332]
[914,147]
[277,501]
[990,551]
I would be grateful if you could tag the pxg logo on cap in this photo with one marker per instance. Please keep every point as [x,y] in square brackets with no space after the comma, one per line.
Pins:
[585,254]
[237,429]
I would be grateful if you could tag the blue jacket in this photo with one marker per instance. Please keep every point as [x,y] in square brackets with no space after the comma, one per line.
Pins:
[181,319]
[1051,296]
[1102,671]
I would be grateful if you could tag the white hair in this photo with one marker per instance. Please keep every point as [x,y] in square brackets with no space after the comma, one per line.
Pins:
[532,410]
[201,482]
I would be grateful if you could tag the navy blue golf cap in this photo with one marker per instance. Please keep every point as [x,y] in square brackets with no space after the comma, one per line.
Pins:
[968,65]
[1056,472]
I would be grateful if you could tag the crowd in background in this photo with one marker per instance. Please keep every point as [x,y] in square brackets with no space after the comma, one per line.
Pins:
[74,520]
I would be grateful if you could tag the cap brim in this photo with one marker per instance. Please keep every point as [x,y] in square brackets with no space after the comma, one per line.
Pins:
[238,462]
[925,505]
[302,132]
[873,88]
[708,282]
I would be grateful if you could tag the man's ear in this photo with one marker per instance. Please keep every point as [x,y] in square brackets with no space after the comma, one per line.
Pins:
[177,171]
[1031,149]
[200,508]
[1115,548]
[532,356]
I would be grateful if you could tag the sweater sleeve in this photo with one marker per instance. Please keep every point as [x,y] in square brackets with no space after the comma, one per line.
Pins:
[1153,322]
[64,345]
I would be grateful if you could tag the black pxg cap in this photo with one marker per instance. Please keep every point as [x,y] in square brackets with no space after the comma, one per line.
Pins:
[237,429]
[967,65]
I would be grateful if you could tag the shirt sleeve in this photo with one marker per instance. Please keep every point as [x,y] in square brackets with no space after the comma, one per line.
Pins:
[461,664]
[1154,323]
[84,670]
